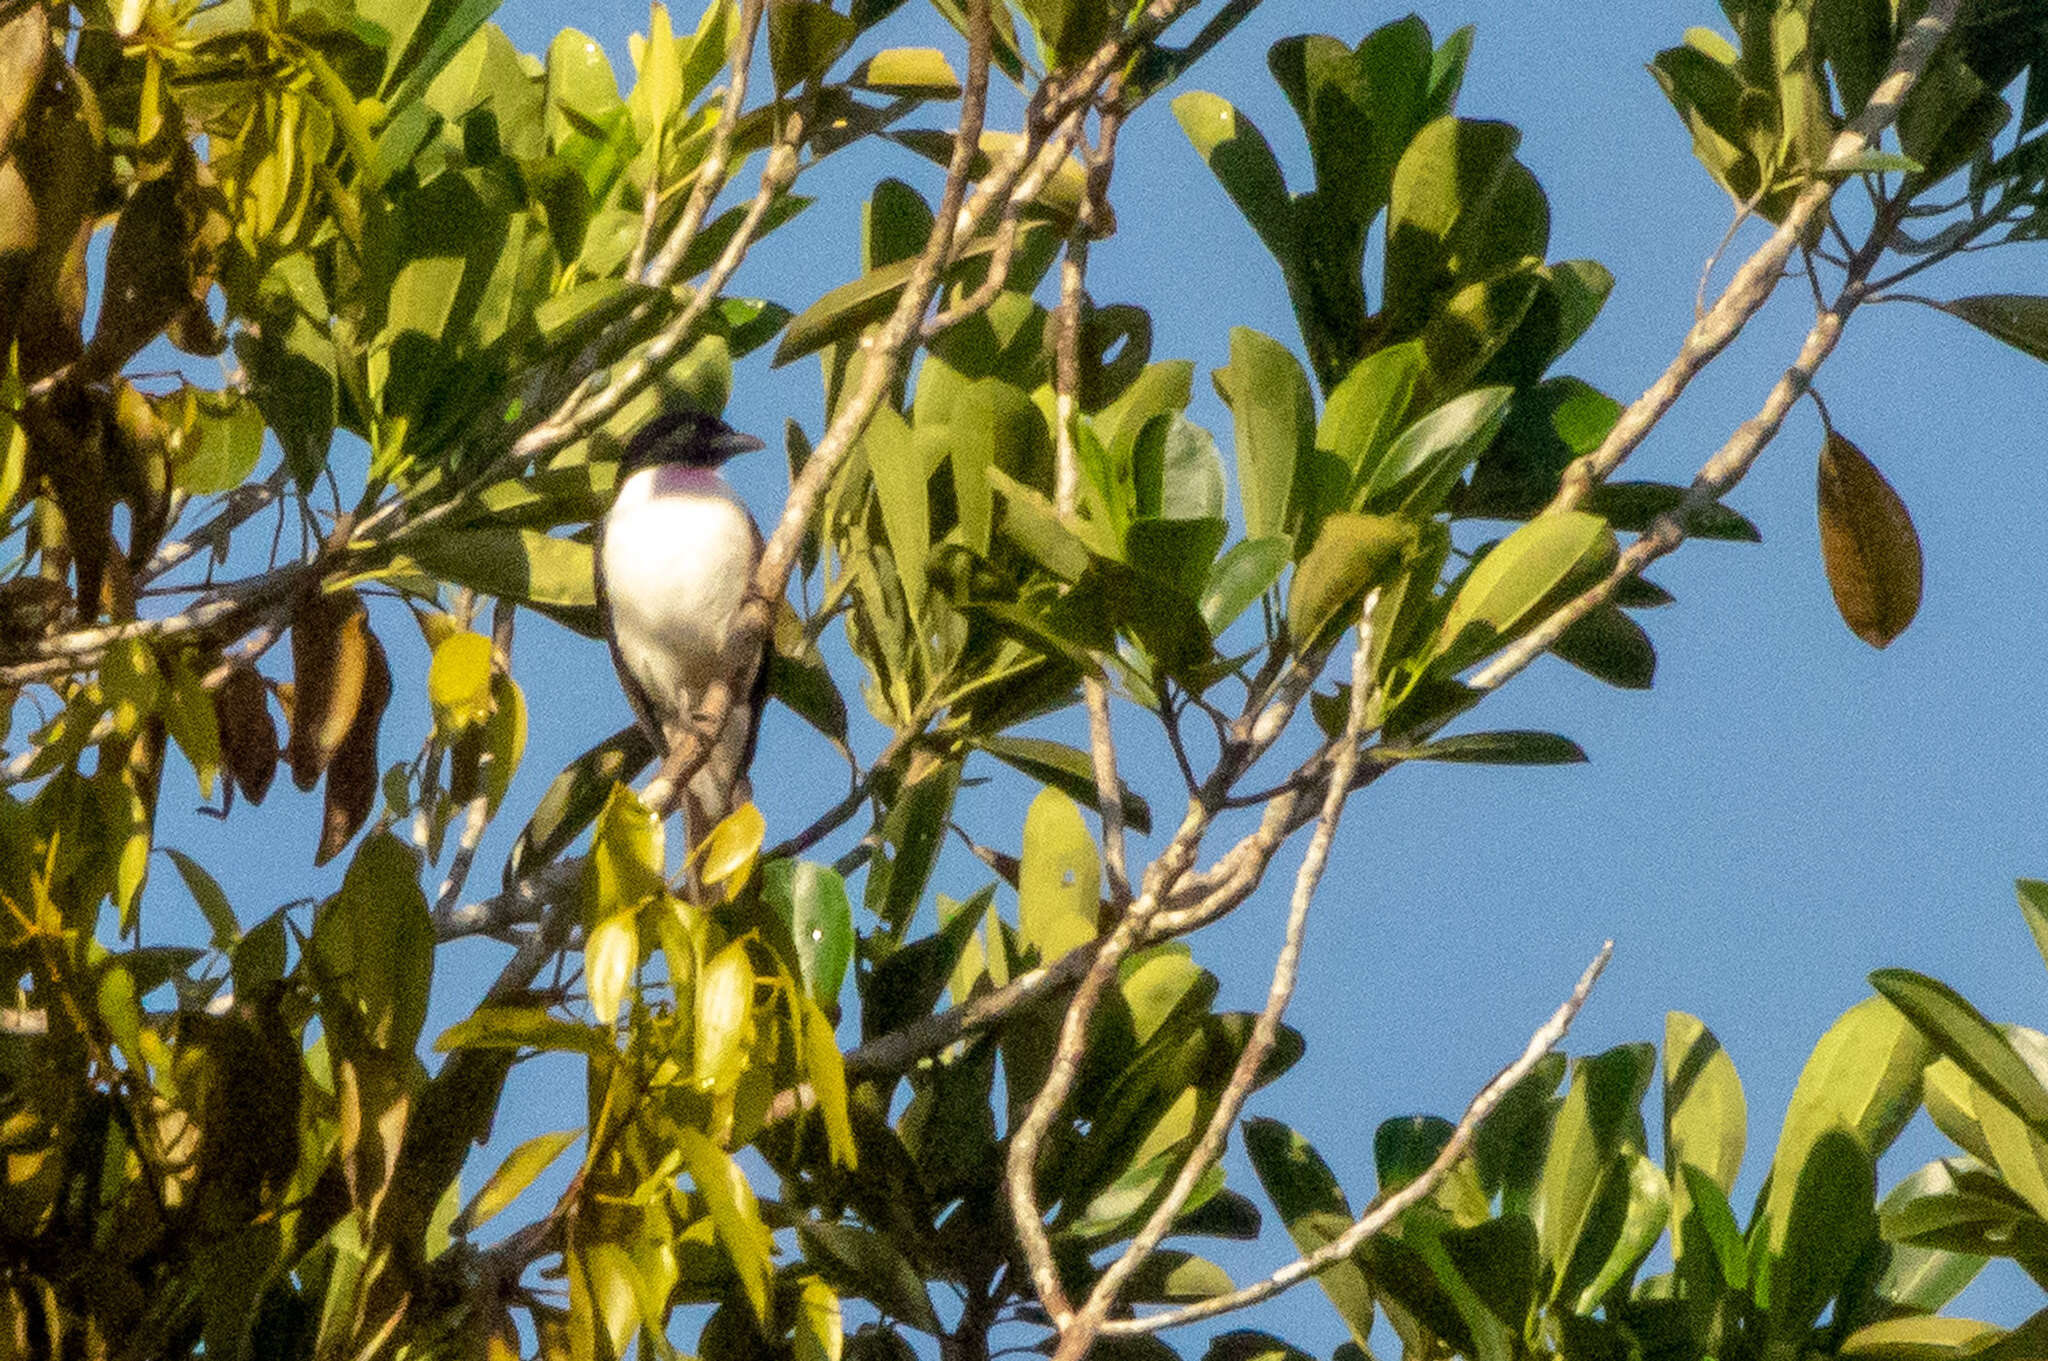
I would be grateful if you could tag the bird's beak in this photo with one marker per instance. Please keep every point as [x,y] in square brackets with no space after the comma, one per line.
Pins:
[733,443]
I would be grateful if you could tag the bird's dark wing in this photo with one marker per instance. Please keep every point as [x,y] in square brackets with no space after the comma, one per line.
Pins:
[757,698]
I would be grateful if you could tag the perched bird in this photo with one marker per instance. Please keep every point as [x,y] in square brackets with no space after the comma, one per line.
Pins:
[675,554]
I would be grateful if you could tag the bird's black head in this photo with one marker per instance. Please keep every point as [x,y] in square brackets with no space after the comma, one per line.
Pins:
[695,439]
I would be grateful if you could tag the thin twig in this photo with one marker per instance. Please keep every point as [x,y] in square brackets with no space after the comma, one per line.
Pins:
[712,171]
[1387,1211]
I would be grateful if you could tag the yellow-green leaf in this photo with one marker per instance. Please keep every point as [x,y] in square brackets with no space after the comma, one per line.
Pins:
[610,954]
[1867,544]
[908,71]
[819,1332]
[514,1175]
[1526,575]
[735,1214]
[625,862]
[729,852]
[1059,882]
[1352,553]
[725,1018]
[504,737]
[826,1069]
[193,724]
[459,683]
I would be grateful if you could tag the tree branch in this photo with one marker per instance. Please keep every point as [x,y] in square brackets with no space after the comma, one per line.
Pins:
[1758,277]
[1387,1211]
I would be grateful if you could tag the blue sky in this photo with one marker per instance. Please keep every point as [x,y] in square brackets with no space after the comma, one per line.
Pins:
[1784,812]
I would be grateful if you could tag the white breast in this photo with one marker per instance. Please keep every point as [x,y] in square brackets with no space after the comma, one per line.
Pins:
[679,548]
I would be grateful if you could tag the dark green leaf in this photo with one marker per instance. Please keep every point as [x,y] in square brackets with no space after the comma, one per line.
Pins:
[1509,748]
[1068,769]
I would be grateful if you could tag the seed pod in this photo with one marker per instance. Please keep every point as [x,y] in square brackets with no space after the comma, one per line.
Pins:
[330,660]
[352,776]
[248,736]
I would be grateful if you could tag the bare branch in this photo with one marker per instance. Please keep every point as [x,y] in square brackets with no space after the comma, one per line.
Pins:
[1384,1213]
[1758,277]
[712,171]
[1077,1340]
[1716,476]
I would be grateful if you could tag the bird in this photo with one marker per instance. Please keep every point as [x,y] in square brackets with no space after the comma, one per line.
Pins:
[674,556]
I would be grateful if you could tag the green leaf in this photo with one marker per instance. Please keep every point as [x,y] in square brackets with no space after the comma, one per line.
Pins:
[513,1176]
[1059,883]
[215,446]
[1418,470]
[374,943]
[1170,1276]
[1067,769]
[735,1214]
[1706,1119]
[522,1027]
[1598,1125]
[1707,1210]
[1351,555]
[1237,154]
[575,797]
[1365,410]
[1960,1031]
[1831,1223]
[841,313]
[1314,1209]
[1649,1210]
[1525,576]
[1507,748]
[911,835]
[1870,160]
[1608,645]
[2033,896]
[1867,544]
[805,37]
[1865,1076]
[898,468]
[821,922]
[1177,552]
[1405,1146]
[2018,319]
[1274,418]
[1440,194]
[552,575]
[868,1265]
[1241,576]
[1190,473]
[192,720]
[1921,1339]
[213,903]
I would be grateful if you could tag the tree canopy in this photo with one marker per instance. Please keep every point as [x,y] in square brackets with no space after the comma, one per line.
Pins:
[445,280]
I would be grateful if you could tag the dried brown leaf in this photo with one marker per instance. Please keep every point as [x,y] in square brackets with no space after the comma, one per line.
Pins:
[352,776]
[1867,544]
[248,736]
[330,660]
